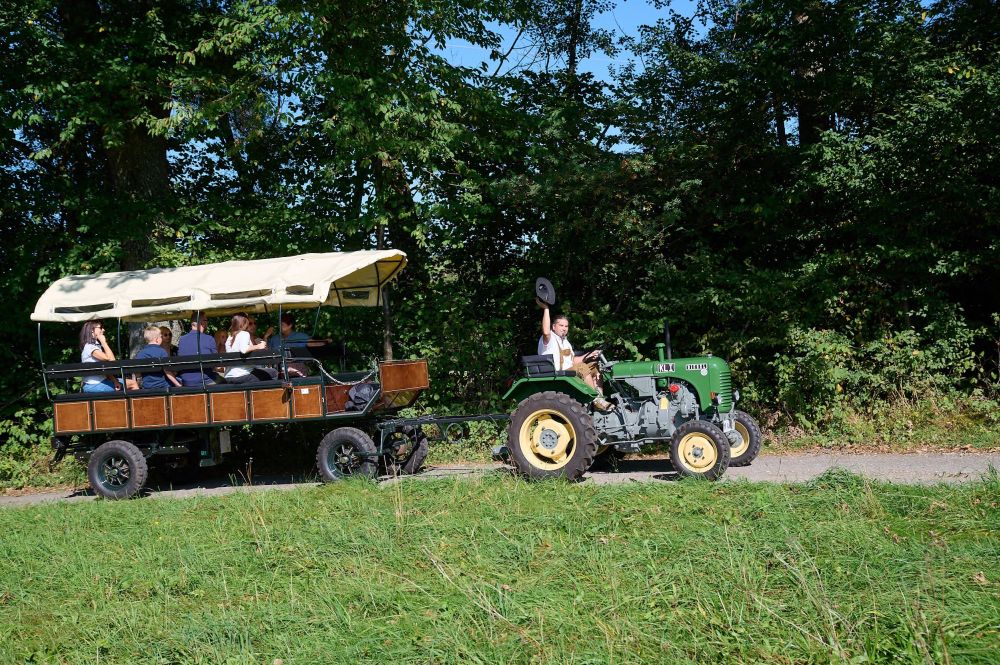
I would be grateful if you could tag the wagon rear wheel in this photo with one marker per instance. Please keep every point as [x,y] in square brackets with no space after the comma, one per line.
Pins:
[346,451]
[117,470]
[551,435]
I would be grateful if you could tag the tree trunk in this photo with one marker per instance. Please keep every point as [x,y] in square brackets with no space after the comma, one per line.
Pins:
[807,104]
[142,183]
[392,190]
[572,48]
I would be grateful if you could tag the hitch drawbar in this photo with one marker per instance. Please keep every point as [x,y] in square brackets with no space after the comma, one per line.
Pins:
[451,428]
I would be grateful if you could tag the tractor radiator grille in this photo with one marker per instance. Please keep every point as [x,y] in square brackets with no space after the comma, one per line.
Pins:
[726,385]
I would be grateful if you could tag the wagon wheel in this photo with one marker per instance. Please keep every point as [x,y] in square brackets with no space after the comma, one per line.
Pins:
[117,470]
[409,448]
[346,451]
[551,435]
[699,449]
[750,439]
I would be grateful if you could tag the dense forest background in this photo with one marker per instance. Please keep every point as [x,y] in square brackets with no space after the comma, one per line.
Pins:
[807,188]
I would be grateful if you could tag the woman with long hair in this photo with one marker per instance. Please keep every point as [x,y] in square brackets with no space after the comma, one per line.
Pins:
[94,348]
[239,341]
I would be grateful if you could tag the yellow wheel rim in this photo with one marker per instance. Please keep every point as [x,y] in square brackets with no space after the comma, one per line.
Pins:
[547,440]
[697,452]
[736,451]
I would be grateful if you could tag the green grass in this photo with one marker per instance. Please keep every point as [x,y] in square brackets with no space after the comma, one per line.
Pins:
[497,570]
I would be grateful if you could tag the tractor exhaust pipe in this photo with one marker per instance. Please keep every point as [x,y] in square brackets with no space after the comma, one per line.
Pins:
[666,339]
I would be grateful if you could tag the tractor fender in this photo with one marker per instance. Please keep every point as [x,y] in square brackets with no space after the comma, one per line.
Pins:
[572,386]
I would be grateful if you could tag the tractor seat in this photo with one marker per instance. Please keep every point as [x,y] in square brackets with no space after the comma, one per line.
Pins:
[542,366]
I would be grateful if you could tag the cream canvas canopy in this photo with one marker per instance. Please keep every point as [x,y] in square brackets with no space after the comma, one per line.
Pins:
[339,279]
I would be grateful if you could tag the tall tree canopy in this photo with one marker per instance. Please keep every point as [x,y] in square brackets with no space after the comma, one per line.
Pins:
[807,188]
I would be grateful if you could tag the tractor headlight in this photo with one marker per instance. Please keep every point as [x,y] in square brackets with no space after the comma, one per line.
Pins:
[736,395]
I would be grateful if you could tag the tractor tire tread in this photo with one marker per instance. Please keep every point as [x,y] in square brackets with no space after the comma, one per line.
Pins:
[756,437]
[717,436]
[587,434]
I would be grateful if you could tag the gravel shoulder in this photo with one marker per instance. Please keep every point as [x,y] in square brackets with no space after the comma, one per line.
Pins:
[912,468]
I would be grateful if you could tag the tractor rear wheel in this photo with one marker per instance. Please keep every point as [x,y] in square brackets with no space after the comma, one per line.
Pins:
[117,470]
[749,431]
[699,449]
[550,436]
[346,451]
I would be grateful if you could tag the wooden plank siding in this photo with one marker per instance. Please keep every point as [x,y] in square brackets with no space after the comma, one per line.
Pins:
[401,382]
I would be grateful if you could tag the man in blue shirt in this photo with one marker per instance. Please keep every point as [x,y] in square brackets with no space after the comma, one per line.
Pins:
[161,378]
[289,337]
[197,342]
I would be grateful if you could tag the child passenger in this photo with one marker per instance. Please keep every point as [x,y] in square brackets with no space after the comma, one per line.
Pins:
[161,378]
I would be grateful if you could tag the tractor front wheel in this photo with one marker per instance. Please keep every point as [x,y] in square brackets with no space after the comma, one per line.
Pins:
[749,447]
[551,435]
[699,449]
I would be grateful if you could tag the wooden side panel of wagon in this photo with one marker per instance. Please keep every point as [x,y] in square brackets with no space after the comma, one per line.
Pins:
[402,382]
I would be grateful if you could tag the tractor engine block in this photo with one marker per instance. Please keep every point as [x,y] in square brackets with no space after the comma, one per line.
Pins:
[646,414]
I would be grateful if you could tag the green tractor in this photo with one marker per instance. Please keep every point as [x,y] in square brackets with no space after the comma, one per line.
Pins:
[690,402]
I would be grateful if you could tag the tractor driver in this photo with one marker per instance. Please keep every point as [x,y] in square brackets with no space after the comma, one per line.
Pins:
[553,342]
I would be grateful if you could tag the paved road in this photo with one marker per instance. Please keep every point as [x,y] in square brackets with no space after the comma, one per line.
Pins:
[914,468]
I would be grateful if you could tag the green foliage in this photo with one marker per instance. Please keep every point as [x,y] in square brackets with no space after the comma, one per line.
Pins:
[823,375]
[807,190]
[26,453]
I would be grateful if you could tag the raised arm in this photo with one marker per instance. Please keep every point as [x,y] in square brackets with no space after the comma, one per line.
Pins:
[546,322]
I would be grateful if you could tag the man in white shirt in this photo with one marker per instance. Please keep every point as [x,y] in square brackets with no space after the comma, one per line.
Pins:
[554,342]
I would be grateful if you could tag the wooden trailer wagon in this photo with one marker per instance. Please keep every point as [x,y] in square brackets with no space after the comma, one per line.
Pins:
[121,432]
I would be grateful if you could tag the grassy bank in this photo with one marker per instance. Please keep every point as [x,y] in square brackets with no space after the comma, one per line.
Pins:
[501,571]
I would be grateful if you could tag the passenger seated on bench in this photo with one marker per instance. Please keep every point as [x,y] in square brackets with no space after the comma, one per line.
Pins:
[220,337]
[94,348]
[197,342]
[167,341]
[161,378]
[262,373]
[239,341]
[290,338]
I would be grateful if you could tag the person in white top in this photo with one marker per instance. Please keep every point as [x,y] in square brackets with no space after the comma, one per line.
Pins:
[239,341]
[94,348]
[554,342]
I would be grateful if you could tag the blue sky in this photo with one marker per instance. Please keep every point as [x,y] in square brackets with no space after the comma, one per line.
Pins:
[623,20]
